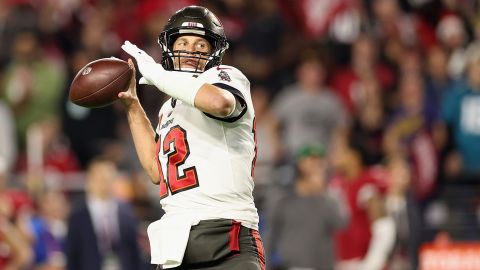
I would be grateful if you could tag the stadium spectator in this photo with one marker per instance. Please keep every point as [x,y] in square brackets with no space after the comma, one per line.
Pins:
[460,113]
[409,133]
[16,18]
[453,37]
[261,42]
[49,230]
[392,24]
[304,221]
[102,232]
[32,82]
[411,62]
[367,241]
[308,111]
[438,81]
[364,63]
[51,147]
[368,124]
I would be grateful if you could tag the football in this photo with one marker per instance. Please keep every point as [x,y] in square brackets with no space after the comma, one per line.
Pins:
[98,83]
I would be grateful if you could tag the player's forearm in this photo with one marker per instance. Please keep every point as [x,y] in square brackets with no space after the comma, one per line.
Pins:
[143,138]
[215,101]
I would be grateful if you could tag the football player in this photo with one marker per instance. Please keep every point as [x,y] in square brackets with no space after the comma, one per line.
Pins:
[202,153]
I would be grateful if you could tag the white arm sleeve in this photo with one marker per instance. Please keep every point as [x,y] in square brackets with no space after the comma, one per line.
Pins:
[381,244]
[179,85]
[174,84]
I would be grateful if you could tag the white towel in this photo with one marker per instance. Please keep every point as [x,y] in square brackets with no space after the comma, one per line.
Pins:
[168,239]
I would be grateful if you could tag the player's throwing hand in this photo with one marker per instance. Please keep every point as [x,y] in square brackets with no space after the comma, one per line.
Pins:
[129,96]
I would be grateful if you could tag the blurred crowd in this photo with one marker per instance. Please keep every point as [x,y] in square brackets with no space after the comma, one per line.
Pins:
[368,128]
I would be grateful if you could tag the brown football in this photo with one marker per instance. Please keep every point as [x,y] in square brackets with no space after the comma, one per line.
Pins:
[98,83]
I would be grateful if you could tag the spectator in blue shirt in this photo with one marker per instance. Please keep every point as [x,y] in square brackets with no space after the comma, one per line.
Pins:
[461,113]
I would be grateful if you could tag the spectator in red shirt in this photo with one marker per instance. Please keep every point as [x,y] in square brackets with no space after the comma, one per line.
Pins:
[364,65]
[54,148]
[366,243]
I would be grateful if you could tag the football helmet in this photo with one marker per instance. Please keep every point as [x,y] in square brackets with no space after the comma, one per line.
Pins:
[193,20]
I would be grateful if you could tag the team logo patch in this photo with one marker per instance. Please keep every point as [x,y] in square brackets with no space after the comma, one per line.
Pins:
[224,76]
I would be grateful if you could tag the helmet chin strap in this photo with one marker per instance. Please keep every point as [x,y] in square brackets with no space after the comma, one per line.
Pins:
[188,69]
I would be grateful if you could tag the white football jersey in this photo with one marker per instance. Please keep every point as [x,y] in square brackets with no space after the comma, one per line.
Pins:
[207,163]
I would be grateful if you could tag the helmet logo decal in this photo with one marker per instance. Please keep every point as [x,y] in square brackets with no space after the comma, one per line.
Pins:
[192,24]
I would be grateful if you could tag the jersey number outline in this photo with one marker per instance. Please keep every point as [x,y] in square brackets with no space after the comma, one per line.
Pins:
[254,161]
[181,150]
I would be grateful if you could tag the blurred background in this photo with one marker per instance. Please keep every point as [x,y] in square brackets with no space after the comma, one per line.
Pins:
[368,128]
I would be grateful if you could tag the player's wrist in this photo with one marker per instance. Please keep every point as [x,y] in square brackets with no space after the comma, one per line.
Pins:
[132,104]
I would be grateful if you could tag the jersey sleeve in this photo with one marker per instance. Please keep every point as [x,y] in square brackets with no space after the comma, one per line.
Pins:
[234,81]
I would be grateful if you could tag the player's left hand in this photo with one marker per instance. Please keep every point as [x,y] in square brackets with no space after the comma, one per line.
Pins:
[130,96]
[146,64]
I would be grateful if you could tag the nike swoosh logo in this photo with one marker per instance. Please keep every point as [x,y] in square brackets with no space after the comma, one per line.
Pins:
[219,68]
